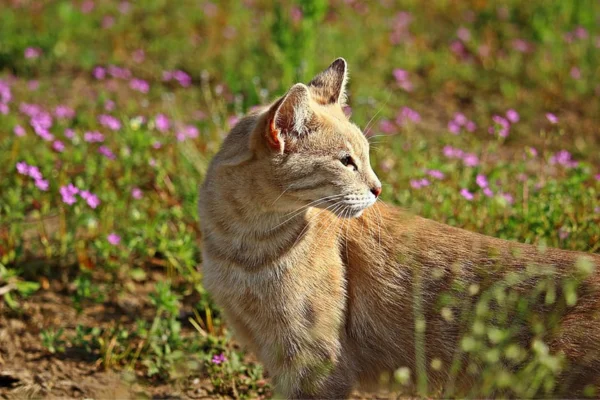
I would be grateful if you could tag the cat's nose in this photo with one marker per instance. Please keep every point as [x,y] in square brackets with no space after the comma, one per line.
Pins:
[376,190]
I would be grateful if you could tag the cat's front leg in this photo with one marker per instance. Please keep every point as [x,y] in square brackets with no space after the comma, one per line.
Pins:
[313,370]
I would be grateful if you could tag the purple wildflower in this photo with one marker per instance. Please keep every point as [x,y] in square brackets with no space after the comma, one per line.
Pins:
[32,52]
[34,172]
[93,137]
[218,359]
[22,168]
[69,133]
[522,46]
[466,194]
[481,181]
[99,73]
[41,184]
[124,7]
[184,79]
[64,112]
[156,145]
[597,177]
[402,79]
[463,34]
[113,239]
[452,152]
[162,123]
[139,56]
[563,233]
[453,127]
[470,160]
[502,124]
[407,114]
[87,6]
[140,85]
[19,130]
[91,199]
[434,173]
[552,118]
[68,194]
[4,109]
[470,126]
[575,73]
[110,122]
[136,193]
[508,197]
[108,21]
[109,105]
[106,152]
[564,158]
[58,146]
[419,183]
[386,126]
[488,192]
[512,116]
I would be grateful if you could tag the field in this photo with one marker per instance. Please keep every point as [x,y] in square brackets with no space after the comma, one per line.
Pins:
[482,114]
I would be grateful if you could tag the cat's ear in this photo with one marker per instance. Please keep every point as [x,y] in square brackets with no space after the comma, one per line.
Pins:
[329,87]
[289,117]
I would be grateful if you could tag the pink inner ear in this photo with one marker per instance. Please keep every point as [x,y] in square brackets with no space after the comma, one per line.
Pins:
[273,135]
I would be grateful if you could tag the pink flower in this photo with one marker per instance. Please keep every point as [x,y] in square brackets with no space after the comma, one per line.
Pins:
[419,183]
[34,172]
[58,146]
[481,181]
[460,119]
[69,133]
[563,234]
[157,145]
[434,173]
[502,124]
[508,197]
[466,194]
[109,105]
[4,109]
[296,14]
[32,52]
[386,126]
[108,21]
[99,73]
[470,126]
[110,122]
[41,184]
[91,199]
[106,152]
[233,120]
[597,177]
[140,85]
[114,239]
[93,137]
[532,151]
[552,118]
[64,112]
[184,79]
[407,114]
[22,168]
[18,130]
[87,6]
[218,359]
[512,116]
[488,192]
[136,193]
[563,158]
[402,79]
[452,152]
[139,56]
[575,73]
[124,7]
[463,34]
[453,127]
[162,123]
[68,194]
[470,160]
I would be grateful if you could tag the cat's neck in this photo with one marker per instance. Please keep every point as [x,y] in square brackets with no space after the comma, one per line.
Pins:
[255,234]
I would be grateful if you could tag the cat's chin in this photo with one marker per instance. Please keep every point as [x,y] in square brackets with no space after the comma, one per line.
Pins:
[352,214]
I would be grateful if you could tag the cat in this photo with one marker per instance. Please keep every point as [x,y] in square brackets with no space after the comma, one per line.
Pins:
[316,276]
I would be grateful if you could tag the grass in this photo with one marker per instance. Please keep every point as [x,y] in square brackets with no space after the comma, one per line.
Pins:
[160,84]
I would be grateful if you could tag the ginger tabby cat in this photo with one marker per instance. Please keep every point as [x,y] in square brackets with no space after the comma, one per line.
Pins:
[316,277]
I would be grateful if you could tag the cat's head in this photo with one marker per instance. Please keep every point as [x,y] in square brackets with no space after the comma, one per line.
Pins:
[315,154]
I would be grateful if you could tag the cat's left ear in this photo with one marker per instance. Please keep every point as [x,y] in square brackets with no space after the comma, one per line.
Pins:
[329,87]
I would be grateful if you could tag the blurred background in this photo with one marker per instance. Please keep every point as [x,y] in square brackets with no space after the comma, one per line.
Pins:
[482,114]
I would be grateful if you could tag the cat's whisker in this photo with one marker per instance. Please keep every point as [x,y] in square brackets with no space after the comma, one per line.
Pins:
[282,193]
[311,219]
[303,208]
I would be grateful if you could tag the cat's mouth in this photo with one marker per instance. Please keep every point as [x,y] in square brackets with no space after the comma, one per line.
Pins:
[353,206]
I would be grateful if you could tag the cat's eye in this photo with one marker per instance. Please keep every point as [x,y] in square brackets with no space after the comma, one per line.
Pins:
[348,161]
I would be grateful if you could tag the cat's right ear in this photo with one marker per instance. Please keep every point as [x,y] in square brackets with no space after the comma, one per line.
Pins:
[289,117]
